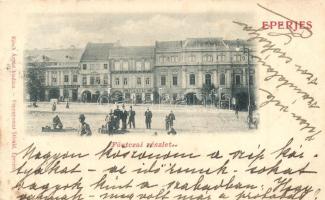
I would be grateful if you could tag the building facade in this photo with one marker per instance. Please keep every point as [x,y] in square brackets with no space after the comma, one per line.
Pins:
[184,68]
[132,74]
[191,71]
[94,73]
[57,72]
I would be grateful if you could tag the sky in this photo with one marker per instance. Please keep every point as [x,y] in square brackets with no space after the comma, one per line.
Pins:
[64,30]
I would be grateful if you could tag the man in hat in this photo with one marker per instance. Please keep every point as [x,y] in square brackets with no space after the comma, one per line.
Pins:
[85,128]
[124,116]
[148,115]
[117,114]
[171,118]
[131,117]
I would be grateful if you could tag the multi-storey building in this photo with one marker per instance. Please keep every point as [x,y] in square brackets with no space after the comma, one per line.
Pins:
[57,70]
[170,71]
[183,68]
[94,72]
[132,73]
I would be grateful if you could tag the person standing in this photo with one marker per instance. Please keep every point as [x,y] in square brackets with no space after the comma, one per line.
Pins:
[171,118]
[131,118]
[54,106]
[236,110]
[111,123]
[67,106]
[167,122]
[85,128]
[117,114]
[148,115]
[124,116]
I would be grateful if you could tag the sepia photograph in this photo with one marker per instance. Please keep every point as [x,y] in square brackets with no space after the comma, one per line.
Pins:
[152,73]
[162,100]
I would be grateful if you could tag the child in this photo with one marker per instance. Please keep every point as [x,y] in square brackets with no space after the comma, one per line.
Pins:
[85,128]
[172,131]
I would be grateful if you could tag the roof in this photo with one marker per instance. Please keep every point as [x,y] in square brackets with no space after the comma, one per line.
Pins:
[238,43]
[192,43]
[204,43]
[132,52]
[175,45]
[53,55]
[96,51]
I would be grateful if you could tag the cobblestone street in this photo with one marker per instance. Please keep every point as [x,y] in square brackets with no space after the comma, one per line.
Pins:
[189,119]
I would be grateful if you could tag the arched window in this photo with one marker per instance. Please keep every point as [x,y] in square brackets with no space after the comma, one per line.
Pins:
[222,79]
[105,79]
[208,79]
[192,79]
[237,79]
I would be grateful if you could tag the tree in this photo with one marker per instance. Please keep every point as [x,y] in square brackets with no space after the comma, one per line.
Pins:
[206,91]
[34,86]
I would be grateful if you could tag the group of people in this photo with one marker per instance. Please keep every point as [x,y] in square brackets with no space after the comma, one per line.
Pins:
[67,106]
[169,123]
[114,119]
[124,117]
[117,120]
[84,127]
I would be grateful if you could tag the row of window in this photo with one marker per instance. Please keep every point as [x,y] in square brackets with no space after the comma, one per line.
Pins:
[125,81]
[163,80]
[94,66]
[191,58]
[124,66]
[168,59]
[192,79]
[65,78]
[208,81]
[95,80]
[119,66]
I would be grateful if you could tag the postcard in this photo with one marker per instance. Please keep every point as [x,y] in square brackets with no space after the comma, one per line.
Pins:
[162,100]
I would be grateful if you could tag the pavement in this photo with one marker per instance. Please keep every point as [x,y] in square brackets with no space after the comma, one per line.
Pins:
[189,118]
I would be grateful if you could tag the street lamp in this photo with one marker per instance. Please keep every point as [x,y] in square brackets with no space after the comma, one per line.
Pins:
[160,89]
[109,94]
[247,51]
[212,96]
[219,92]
